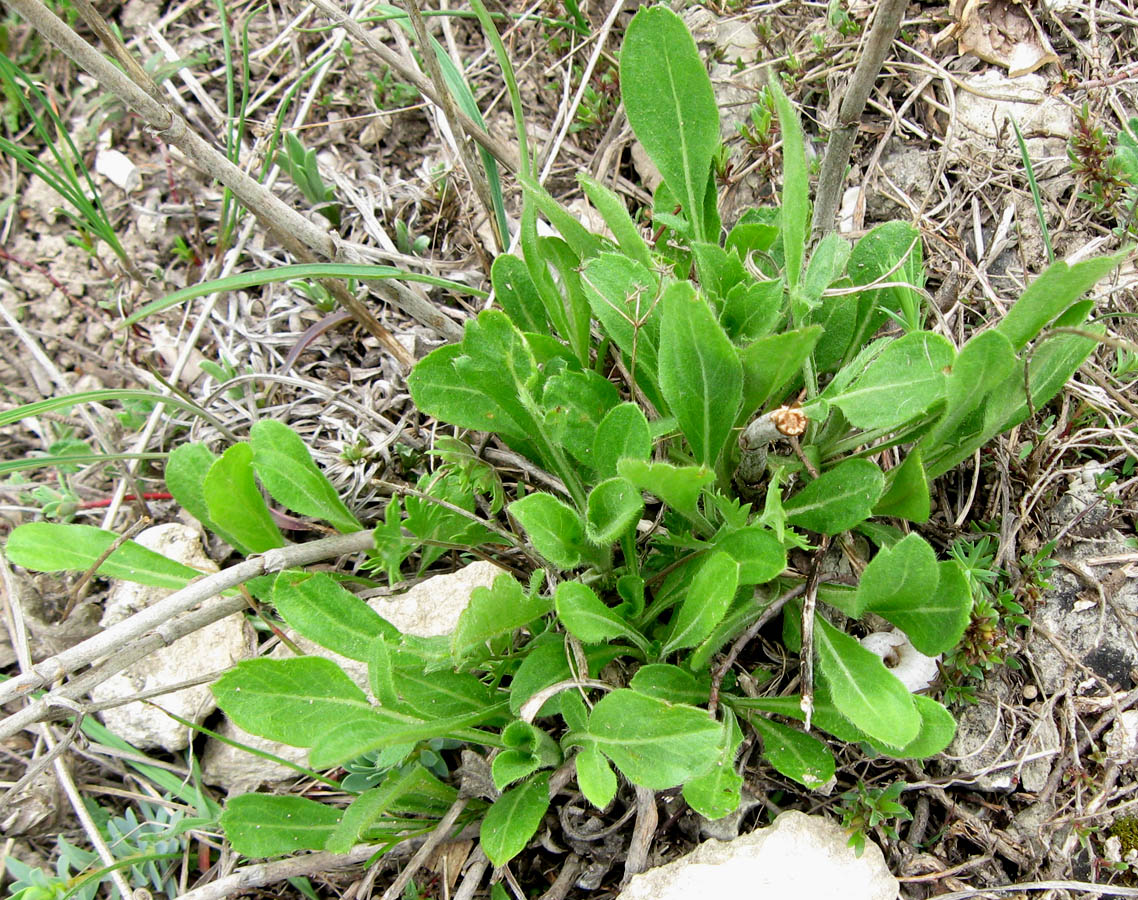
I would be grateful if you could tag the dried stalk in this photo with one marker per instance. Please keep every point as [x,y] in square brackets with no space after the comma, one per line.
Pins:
[156,618]
[469,162]
[886,22]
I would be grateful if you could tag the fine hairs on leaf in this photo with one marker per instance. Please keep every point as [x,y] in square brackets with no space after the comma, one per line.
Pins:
[685,407]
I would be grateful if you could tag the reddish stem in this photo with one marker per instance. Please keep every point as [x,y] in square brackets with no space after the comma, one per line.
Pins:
[105,502]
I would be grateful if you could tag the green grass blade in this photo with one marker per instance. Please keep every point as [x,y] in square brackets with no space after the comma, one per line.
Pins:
[464,97]
[101,396]
[286,273]
[43,462]
[487,22]
[1034,185]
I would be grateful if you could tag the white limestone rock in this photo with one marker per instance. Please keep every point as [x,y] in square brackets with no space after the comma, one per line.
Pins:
[797,856]
[211,649]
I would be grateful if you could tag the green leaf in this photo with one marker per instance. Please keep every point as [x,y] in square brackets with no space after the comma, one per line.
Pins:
[622,434]
[937,730]
[186,469]
[670,104]
[498,610]
[898,579]
[904,381]
[890,253]
[289,700]
[1052,364]
[752,309]
[706,603]
[57,547]
[671,683]
[934,620]
[575,404]
[838,499]
[614,507]
[438,695]
[657,745]
[827,264]
[623,297]
[1052,293]
[771,362]
[586,616]
[485,383]
[342,740]
[864,691]
[795,188]
[595,777]
[515,290]
[613,211]
[554,528]
[677,486]
[527,749]
[758,552]
[701,377]
[324,612]
[719,271]
[236,505]
[371,805]
[716,793]
[983,363]
[795,754]
[546,662]
[285,468]
[907,494]
[260,825]
[514,819]
[510,766]
[381,672]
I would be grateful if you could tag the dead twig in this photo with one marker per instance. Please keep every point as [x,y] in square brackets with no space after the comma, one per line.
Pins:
[886,22]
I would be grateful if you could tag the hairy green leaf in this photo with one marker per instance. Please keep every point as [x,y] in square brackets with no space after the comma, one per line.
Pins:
[904,381]
[59,547]
[235,503]
[655,744]
[514,819]
[706,603]
[1052,293]
[324,612]
[285,468]
[838,499]
[498,610]
[678,486]
[595,777]
[670,104]
[554,528]
[587,617]
[701,377]
[771,362]
[259,825]
[289,700]
[864,691]
[186,469]
[614,507]
[795,754]
[716,793]
[622,434]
